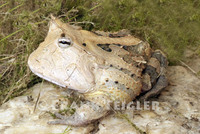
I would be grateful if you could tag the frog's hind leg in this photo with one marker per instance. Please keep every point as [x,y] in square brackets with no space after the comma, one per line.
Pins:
[85,114]
[154,76]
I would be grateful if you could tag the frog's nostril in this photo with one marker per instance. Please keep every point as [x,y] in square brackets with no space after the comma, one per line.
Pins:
[37,60]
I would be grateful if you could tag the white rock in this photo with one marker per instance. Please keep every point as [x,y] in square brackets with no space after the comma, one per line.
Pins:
[17,116]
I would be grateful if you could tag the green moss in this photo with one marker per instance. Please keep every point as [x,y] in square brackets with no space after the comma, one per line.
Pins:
[169,25]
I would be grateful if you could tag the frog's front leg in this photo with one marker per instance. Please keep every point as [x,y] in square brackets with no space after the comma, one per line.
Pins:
[154,76]
[85,114]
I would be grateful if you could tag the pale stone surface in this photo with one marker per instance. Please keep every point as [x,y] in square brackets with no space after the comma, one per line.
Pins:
[17,116]
[179,111]
[192,59]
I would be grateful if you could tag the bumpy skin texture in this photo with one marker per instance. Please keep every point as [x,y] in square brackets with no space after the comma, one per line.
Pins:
[104,68]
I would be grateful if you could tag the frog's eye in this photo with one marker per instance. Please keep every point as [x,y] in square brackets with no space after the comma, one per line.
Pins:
[64,42]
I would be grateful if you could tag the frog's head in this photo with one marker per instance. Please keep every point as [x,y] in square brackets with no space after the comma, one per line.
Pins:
[59,58]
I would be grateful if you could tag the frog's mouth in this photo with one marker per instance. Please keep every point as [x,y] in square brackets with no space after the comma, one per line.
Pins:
[46,78]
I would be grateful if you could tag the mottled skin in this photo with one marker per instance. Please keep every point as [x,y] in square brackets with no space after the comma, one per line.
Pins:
[104,68]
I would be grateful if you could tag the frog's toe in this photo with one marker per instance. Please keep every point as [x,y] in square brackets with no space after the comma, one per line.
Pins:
[84,115]
[74,120]
[162,82]
[57,122]
[60,116]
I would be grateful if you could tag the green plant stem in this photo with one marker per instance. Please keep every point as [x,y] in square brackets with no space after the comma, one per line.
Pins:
[4,4]
[11,34]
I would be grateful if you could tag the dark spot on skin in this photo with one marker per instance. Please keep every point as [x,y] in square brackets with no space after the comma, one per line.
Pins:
[128,88]
[114,36]
[84,44]
[121,69]
[63,35]
[125,48]
[106,80]
[195,119]
[109,50]
[186,126]
[111,65]
[191,103]
[119,45]
[30,98]
[96,33]
[116,82]
[105,47]
[132,75]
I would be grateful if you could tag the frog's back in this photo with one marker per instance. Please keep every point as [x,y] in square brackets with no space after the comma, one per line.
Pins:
[125,58]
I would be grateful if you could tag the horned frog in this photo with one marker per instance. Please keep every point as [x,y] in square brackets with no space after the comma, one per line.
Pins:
[102,68]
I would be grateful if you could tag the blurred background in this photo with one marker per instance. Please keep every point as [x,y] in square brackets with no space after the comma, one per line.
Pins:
[170,25]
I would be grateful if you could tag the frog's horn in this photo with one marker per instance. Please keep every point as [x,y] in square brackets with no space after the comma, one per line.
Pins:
[55,20]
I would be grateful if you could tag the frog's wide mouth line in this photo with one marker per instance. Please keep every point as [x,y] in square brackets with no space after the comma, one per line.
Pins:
[46,78]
